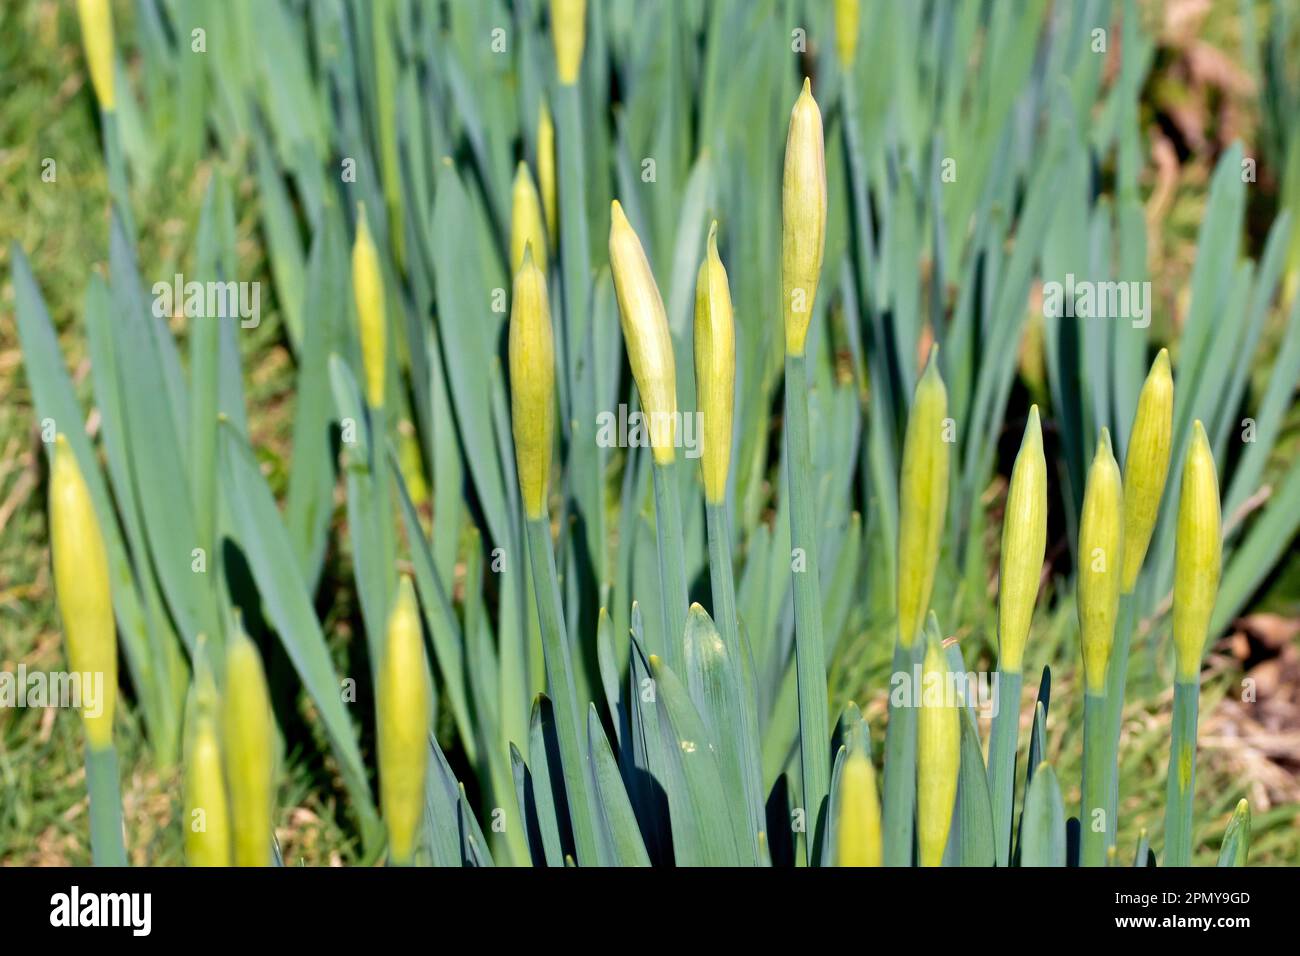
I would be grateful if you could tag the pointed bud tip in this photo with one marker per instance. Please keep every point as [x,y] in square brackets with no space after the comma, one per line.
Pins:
[1104,442]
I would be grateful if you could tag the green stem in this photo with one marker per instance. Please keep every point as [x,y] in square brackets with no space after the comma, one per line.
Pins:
[1095,782]
[559,677]
[724,612]
[900,764]
[575,244]
[810,654]
[1116,677]
[1182,773]
[1002,761]
[673,596]
[106,847]
[115,160]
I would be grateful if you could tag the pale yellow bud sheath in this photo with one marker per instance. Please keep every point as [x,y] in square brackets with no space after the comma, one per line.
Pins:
[1101,541]
[532,384]
[938,755]
[568,34]
[1024,542]
[645,334]
[405,709]
[546,171]
[248,735]
[803,218]
[923,499]
[1146,465]
[857,830]
[1198,553]
[96,17]
[81,588]
[847,16]
[715,369]
[372,321]
[207,811]
[526,225]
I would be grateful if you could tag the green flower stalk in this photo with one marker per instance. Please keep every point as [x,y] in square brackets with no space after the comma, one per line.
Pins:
[96,18]
[803,218]
[568,34]
[248,734]
[1198,554]
[715,369]
[527,225]
[1146,469]
[803,239]
[857,826]
[1101,547]
[650,354]
[372,322]
[546,170]
[532,384]
[1024,542]
[938,756]
[81,587]
[847,17]
[404,700]
[207,809]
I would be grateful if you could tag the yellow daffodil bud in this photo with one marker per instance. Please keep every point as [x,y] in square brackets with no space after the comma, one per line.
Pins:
[923,498]
[96,18]
[645,333]
[546,171]
[938,756]
[526,225]
[846,31]
[1024,541]
[857,828]
[715,368]
[1101,542]
[81,589]
[568,33]
[532,384]
[1146,465]
[207,812]
[803,218]
[1198,551]
[405,709]
[248,735]
[372,321]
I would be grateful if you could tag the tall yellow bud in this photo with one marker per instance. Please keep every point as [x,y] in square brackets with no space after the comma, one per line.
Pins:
[207,811]
[81,589]
[248,734]
[857,828]
[405,709]
[938,756]
[923,499]
[532,384]
[645,333]
[803,218]
[526,225]
[546,171]
[372,321]
[96,18]
[1024,541]
[568,33]
[1146,465]
[715,368]
[1101,542]
[847,14]
[1198,552]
